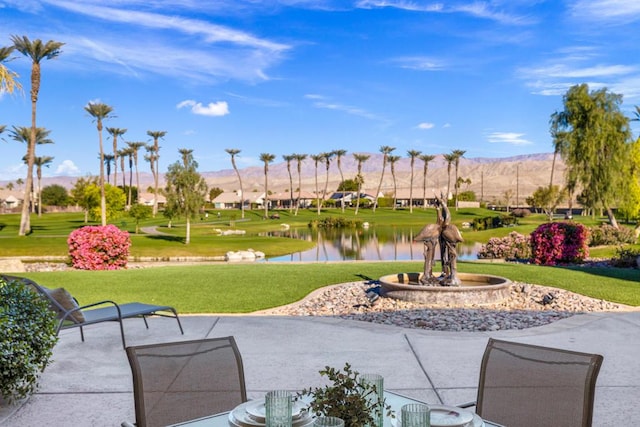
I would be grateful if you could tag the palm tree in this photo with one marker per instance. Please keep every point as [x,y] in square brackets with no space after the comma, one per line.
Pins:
[233,152]
[37,51]
[157,134]
[127,153]
[151,157]
[385,150]
[450,158]
[100,111]
[266,158]
[122,154]
[327,159]
[458,155]
[39,162]
[412,154]
[339,153]
[426,158]
[135,147]
[8,79]
[115,133]
[392,163]
[185,153]
[108,159]
[316,159]
[360,158]
[299,158]
[288,158]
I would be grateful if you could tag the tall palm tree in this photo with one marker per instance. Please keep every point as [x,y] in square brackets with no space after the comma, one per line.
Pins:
[299,159]
[108,159]
[317,158]
[8,79]
[151,157]
[156,135]
[289,158]
[339,154]
[327,164]
[37,51]
[115,133]
[266,158]
[392,164]
[449,158]
[185,153]
[100,111]
[412,154]
[39,162]
[458,155]
[23,134]
[135,148]
[385,150]
[360,158]
[122,155]
[128,153]
[233,152]
[426,158]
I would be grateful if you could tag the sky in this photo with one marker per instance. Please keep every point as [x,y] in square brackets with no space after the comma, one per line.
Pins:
[312,76]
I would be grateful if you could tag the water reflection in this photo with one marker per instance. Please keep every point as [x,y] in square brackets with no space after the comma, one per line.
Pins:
[373,244]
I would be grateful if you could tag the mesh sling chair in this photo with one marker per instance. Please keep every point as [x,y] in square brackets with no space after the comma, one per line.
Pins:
[524,385]
[72,315]
[180,381]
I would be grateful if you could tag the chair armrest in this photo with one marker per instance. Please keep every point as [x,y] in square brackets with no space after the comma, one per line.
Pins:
[127,424]
[467,404]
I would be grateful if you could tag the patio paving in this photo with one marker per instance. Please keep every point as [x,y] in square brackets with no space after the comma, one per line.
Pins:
[89,384]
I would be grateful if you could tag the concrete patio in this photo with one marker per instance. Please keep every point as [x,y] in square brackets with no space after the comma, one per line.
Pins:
[89,384]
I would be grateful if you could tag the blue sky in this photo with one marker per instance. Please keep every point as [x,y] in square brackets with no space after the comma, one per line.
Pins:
[308,76]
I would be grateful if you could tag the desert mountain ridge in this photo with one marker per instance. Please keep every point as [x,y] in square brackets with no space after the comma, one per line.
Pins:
[489,178]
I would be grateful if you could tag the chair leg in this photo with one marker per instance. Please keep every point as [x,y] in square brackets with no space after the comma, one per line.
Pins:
[178,319]
[124,344]
[145,321]
[82,333]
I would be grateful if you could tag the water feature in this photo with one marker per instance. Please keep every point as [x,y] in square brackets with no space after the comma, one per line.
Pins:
[373,244]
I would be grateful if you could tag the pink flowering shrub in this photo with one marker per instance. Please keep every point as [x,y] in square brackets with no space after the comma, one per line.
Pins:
[99,248]
[513,246]
[559,242]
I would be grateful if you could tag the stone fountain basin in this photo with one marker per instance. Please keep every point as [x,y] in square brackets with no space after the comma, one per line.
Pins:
[476,289]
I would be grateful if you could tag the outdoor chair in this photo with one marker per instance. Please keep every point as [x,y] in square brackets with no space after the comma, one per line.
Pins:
[526,385]
[72,315]
[180,381]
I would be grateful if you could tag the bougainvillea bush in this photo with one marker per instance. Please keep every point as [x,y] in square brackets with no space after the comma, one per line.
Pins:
[559,242]
[512,246]
[99,248]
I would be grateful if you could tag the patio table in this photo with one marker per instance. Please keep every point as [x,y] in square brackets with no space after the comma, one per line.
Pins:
[394,399]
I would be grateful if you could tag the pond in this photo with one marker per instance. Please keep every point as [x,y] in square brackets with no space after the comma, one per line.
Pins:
[373,244]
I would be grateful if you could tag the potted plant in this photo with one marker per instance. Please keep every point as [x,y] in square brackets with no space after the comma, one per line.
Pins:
[346,397]
[28,335]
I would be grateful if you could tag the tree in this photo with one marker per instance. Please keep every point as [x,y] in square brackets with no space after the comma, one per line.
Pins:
[115,202]
[458,154]
[547,199]
[233,152]
[135,148]
[593,135]
[426,158]
[108,159]
[449,158]
[39,162]
[139,213]
[348,184]
[156,135]
[299,159]
[100,111]
[82,198]
[185,191]
[392,164]
[360,158]
[508,195]
[630,203]
[289,158]
[37,51]
[412,154]
[327,164]
[8,79]
[266,158]
[55,195]
[115,133]
[339,154]
[385,150]
[317,158]
[127,153]
[215,192]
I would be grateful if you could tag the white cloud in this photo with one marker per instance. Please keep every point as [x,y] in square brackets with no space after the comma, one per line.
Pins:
[420,63]
[425,125]
[213,109]
[67,168]
[355,111]
[508,138]
[614,10]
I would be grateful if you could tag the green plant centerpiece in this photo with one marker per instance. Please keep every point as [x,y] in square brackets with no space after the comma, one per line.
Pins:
[27,338]
[347,397]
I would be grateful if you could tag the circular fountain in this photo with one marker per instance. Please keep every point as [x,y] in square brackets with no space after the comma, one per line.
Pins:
[474,289]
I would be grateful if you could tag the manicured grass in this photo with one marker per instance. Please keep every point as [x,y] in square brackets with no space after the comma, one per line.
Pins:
[243,288]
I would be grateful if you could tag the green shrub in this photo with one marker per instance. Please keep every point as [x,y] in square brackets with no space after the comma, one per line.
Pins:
[335,222]
[513,246]
[487,222]
[28,331]
[606,234]
[626,258]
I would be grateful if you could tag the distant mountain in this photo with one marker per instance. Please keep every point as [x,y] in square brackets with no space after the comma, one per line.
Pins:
[490,177]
